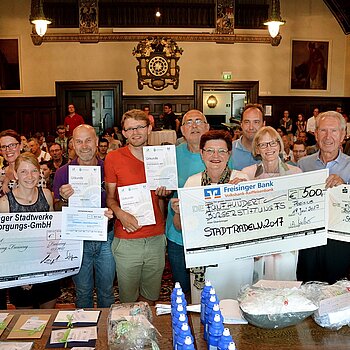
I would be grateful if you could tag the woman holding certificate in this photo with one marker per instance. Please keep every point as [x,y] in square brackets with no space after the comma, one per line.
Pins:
[215,147]
[268,145]
[27,197]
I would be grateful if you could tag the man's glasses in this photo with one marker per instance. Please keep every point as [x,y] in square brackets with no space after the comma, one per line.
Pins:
[211,151]
[10,146]
[272,143]
[190,122]
[136,128]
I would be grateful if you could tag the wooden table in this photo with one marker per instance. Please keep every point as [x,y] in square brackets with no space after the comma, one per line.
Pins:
[158,137]
[161,323]
[306,335]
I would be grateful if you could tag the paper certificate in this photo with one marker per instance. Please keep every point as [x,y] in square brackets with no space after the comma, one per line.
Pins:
[84,223]
[32,251]
[160,166]
[136,200]
[339,213]
[226,222]
[86,183]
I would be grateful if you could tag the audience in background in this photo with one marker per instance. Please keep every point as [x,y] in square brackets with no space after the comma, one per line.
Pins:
[62,140]
[102,148]
[34,147]
[146,109]
[72,120]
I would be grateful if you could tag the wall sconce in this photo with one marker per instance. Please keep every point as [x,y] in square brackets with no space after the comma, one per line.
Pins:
[275,20]
[212,101]
[38,18]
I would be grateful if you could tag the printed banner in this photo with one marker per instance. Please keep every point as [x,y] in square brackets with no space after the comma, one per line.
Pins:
[222,223]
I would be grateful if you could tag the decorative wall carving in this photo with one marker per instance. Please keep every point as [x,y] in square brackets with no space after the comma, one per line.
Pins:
[157,67]
[88,16]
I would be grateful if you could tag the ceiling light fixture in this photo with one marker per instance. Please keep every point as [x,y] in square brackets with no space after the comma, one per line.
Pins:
[275,20]
[38,18]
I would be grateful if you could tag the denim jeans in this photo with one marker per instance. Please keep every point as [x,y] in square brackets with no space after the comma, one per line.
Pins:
[97,261]
[176,258]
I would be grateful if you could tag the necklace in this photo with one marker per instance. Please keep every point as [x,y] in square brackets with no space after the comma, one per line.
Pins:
[26,200]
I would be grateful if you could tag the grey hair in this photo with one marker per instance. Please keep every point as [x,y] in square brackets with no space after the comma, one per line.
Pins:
[332,114]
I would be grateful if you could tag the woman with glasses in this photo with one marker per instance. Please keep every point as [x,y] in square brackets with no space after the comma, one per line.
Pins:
[268,145]
[215,148]
[10,145]
[28,197]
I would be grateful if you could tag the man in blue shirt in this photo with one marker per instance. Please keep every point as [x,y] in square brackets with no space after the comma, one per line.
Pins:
[252,121]
[189,162]
[331,262]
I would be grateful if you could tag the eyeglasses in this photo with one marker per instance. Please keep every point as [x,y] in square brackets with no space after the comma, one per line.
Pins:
[211,151]
[272,143]
[196,121]
[136,128]
[297,151]
[10,146]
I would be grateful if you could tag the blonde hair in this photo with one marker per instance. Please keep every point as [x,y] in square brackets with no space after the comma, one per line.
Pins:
[263,131]
[27,157]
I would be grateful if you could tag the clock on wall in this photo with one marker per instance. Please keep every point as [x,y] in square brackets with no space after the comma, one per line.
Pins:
[157,66]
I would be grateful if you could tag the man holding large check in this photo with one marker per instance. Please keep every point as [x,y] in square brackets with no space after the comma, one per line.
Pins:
[331,262]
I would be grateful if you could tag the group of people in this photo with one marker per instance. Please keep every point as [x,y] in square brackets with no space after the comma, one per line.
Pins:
[136,254]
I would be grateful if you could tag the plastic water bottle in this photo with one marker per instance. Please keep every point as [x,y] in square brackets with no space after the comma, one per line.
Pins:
[208,309]
[175,289]
[215,311]
[177,324]
[225,340]
[231,346]
[188,345]
[179,301]
[181,336]
[176,313]
[204,298]
[215,332]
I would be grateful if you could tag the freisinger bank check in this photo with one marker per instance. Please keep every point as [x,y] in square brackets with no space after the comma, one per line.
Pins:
[222,223]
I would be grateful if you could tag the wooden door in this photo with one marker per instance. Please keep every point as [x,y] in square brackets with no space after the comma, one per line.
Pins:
[82,102]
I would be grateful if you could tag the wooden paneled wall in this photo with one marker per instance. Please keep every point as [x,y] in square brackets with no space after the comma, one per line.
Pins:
[301,104]
[28,115]
[181,104]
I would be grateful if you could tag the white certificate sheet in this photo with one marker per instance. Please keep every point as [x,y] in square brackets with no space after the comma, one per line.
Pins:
[339,213]
[86,183]
[160,166]
[136,200]
[84,223]
[32,250]
[222,223]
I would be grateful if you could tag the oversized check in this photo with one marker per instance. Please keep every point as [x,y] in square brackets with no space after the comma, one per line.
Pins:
[89,224]
[31,250]
[339,213]
[222,223]
[160,166]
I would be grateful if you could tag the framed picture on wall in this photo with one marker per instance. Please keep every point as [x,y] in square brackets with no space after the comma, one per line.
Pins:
[309,67]
[9,65]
